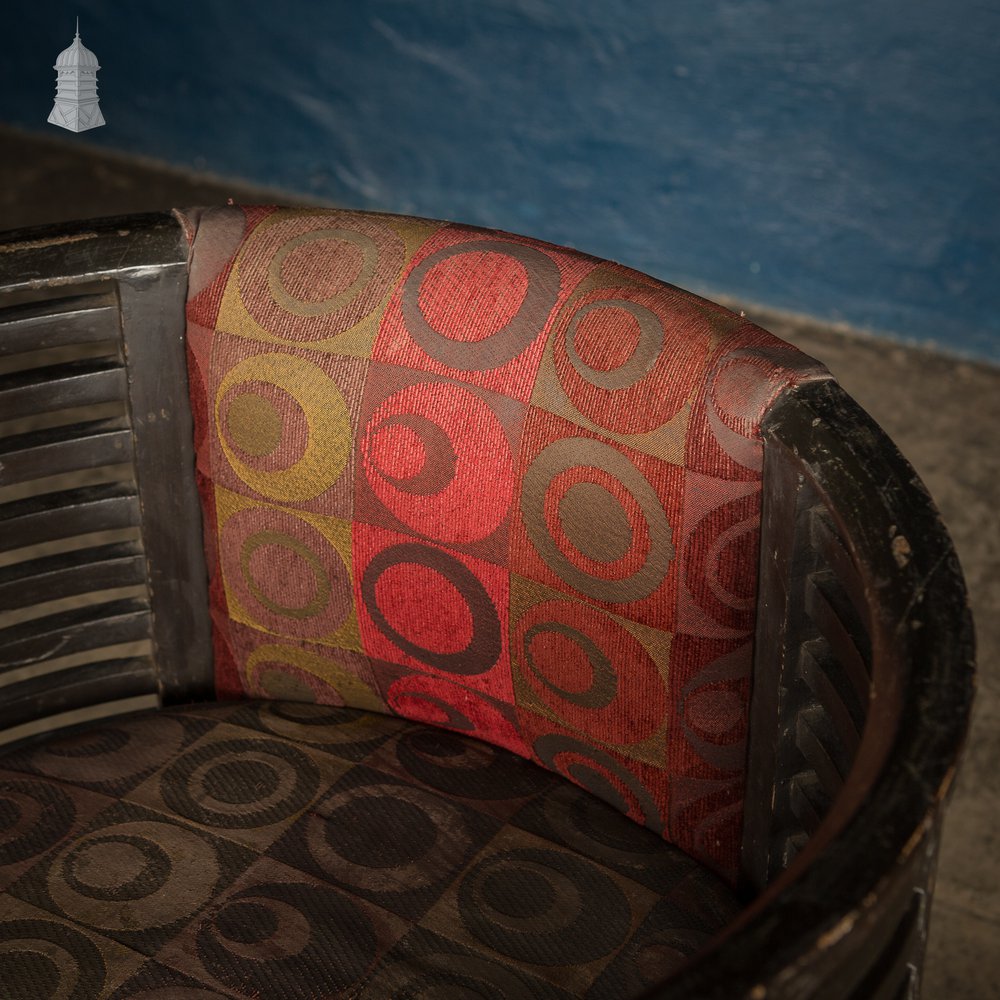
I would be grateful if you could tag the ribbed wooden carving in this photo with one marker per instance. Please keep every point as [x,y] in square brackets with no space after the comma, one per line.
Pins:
[825,690]
[103,604]
[73,595]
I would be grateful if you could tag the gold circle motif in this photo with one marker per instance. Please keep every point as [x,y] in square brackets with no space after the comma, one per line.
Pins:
[349,686]
[319,599]
[327,417]
[300,307]
[254,424]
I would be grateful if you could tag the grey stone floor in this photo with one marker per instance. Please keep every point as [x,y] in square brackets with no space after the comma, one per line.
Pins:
[944,414]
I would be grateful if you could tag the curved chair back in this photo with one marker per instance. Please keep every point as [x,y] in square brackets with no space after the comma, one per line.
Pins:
[490,484]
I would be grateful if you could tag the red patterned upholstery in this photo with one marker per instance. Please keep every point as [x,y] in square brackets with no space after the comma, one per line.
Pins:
[487,483]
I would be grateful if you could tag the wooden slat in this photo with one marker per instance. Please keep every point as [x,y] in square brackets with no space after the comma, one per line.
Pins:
[789,846]
[77,319]
[822,672]
[79,716]
[808,801]
[849,644]
[81,571]
[817,742]
[82,686]
[58,450]
[50,516]
[68,632]
[828,543]
[57,387]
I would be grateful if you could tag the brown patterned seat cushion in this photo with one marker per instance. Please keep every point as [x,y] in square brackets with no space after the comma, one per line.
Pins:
[277,849]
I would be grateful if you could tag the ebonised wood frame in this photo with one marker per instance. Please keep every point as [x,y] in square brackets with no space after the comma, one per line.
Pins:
[96,466]
[863,683]
[863,673]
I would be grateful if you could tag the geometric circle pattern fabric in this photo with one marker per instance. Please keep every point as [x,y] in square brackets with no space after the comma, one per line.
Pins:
[489,484]
[296,850]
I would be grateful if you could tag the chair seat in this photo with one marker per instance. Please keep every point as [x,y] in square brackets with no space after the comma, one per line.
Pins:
[279,849]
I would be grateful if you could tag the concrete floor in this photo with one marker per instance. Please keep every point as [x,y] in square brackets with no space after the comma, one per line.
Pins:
[943,413]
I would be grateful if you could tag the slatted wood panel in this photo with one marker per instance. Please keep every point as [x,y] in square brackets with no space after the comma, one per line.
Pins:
[66,321]
[75,620]
[103,588]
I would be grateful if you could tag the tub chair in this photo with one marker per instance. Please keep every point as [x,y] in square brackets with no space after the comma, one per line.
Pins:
[395,608]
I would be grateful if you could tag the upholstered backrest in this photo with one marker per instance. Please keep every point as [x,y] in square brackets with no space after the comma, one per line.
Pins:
[487,483]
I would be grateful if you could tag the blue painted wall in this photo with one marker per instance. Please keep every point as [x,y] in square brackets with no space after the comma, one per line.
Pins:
[836,158]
